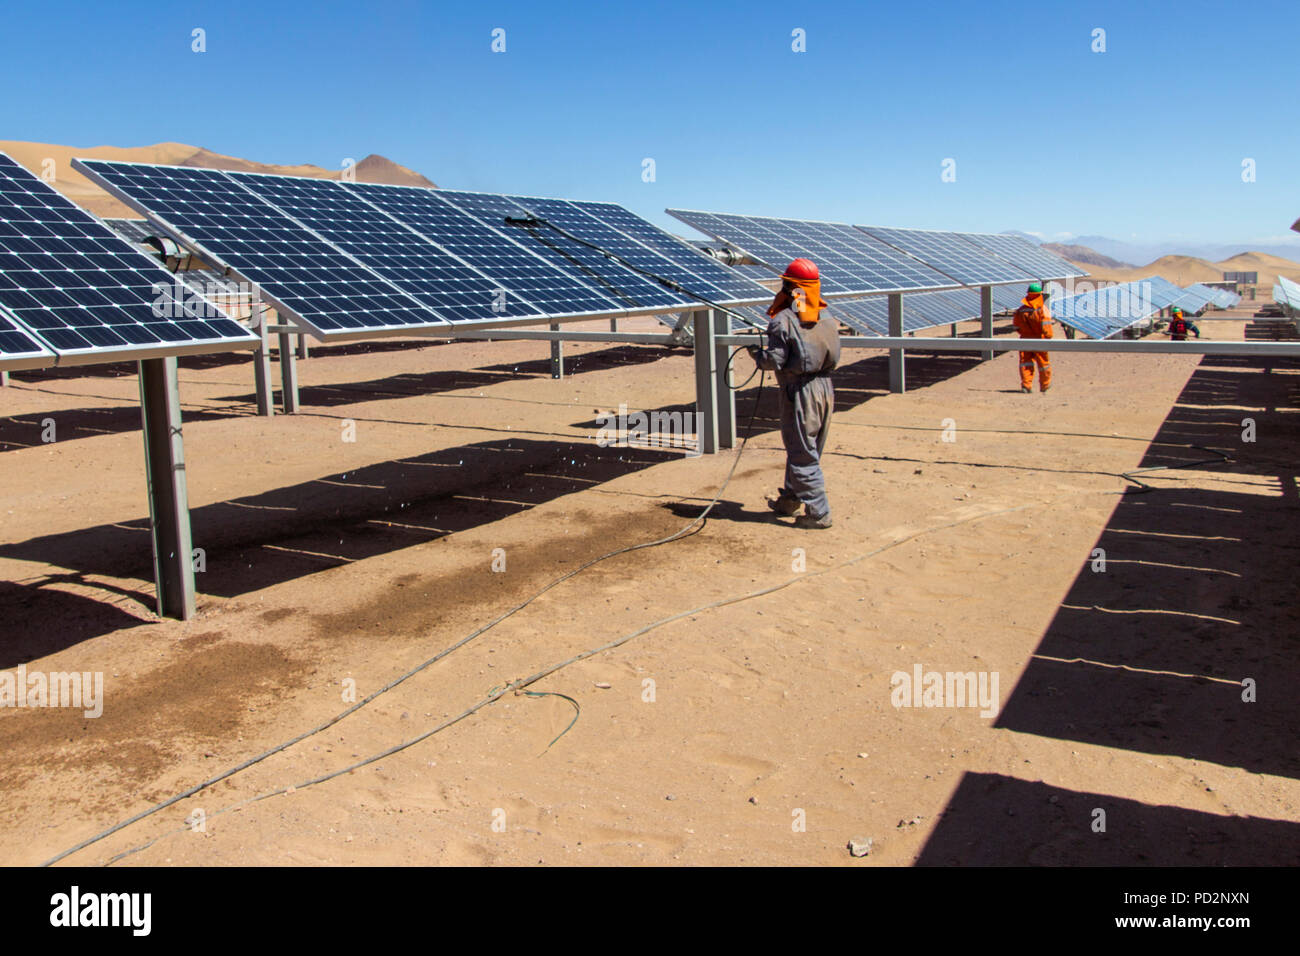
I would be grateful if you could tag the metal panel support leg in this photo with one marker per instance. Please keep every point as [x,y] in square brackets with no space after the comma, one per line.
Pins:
[706,394]
[557,355]
[724,376]
[303,351]
[986,317]
[169,511]
[4,379]
[262,362]
[897,369]
[288,374]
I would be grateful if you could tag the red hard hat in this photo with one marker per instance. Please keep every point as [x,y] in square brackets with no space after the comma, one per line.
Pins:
[801,269]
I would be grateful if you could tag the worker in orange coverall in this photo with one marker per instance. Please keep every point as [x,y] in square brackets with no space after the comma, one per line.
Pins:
[1034,321]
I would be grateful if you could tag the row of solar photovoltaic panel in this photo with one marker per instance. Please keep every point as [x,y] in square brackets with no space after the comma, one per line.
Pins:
[73,291]
[1104,312]
[1197,297]
[861,260]
[921,310]
[349,259]
[1287,294]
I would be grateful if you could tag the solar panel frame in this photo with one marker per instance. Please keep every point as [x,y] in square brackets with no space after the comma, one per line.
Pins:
[88,295]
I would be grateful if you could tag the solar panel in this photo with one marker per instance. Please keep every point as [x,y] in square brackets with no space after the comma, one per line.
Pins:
[19,349]
[295,268]
[931,309]
[1007,297]
[867,316]
[850,262]
[133,230]
[1101,313]
[1023,253]
[951,254]
[87,293]
[1194,299]
[415,262]
[474,230]
[659,251]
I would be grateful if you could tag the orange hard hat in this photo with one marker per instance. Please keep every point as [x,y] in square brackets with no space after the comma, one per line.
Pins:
[801,269]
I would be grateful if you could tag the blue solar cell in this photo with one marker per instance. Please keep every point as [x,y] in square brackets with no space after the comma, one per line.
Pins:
[18,348]
[411,262]
[1103,312]
[850,261]
[949,253]
[549,282]
[295,267]
[1021,252]
[624,289]
[663,254]
[84,290]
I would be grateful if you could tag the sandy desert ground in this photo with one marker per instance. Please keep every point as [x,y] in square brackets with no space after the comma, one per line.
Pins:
[330,561]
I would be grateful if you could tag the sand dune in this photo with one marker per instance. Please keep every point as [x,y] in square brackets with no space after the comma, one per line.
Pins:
[36,157]
[1184,270]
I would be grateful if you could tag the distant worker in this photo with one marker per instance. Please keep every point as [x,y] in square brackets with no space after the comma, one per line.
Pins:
[802,348]
[1034,321]
[1180,325]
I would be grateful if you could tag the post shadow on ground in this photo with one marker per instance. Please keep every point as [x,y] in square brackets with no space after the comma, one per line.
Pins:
[1194,607]
[997,820]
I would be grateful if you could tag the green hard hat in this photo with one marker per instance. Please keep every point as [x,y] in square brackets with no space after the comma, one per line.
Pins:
[1176,310]
[1036,288]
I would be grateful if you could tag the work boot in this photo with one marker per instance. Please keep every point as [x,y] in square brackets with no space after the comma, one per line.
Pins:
[784,504]
[1026,389]
[813,521]
[1045,388]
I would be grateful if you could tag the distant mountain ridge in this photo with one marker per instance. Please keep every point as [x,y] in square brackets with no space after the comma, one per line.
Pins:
[1082,255]
[37,157]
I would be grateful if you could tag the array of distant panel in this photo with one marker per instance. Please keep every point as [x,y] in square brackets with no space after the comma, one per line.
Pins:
[74,288]
[1287,294]
[352,258]
[1104,312]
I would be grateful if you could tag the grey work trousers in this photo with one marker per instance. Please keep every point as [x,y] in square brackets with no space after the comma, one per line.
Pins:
[805,423]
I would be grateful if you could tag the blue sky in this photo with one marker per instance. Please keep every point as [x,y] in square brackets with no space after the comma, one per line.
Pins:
[1144,141]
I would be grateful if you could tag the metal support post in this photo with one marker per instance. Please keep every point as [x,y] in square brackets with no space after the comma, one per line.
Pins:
[302,345]
[173,558]
[986,317]
[557,354]
[262,359]
[897,370]
[4,379]
[706,395]
[726,397]
[288,374]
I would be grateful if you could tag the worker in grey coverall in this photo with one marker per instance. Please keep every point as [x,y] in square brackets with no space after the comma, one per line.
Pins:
[802,350]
